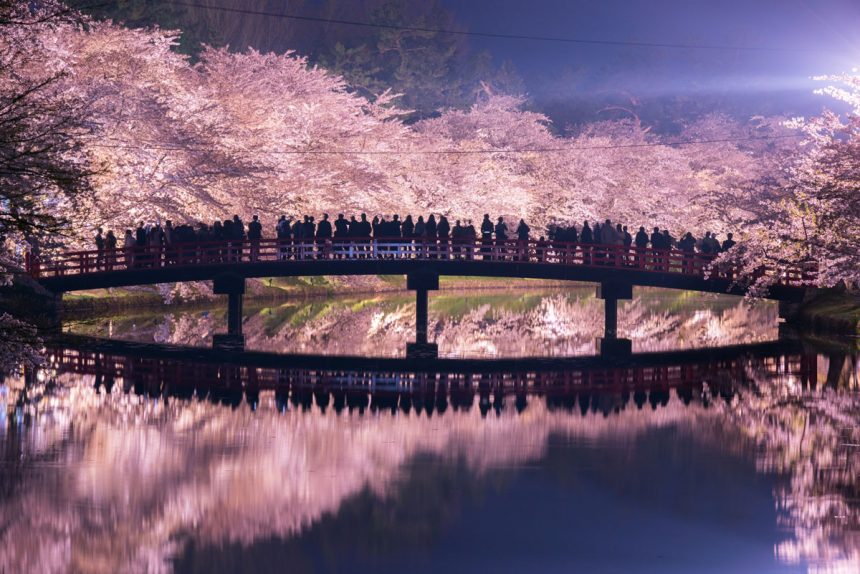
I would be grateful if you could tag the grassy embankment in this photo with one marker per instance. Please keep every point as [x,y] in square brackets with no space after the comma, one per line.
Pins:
[451,303]
[831,312]
[282,288]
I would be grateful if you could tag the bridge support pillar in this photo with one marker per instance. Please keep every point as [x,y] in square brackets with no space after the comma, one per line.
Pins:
[610,345]
[421,283]
[234,287]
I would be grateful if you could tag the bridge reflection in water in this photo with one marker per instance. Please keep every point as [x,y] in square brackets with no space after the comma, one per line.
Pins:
[357,385]
[189,444]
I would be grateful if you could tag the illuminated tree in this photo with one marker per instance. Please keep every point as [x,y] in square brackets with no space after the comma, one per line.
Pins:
[814,223]
[42,172]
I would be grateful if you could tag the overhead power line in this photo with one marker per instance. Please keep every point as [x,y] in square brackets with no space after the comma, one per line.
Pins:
[464,152]
[498,35]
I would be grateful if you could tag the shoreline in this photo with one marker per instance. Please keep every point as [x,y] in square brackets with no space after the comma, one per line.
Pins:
[91,305]
[828,312]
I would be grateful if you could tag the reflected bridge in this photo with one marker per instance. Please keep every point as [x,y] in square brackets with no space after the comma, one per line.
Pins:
[359,384]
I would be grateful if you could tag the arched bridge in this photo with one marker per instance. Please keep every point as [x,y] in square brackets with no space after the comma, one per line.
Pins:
[229,263]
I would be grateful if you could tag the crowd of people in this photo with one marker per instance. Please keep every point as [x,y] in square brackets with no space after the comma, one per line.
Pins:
[618,234]
[302,238]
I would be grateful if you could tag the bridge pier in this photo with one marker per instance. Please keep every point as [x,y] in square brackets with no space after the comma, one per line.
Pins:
[610,345]
[422,283]
[234,287]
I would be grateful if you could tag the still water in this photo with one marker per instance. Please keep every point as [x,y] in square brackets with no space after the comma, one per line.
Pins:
[490,323]
[744,461]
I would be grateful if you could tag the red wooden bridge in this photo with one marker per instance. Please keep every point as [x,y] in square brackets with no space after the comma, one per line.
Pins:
[228,263]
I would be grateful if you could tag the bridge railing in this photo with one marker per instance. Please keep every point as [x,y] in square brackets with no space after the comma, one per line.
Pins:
[359,249]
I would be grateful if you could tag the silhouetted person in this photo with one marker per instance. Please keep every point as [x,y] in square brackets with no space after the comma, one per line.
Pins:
[354,234]
[729,242]
[407,232]
[110,250]
[626,240]
[470,237]
[408,228]
[457,238]
[283,232]
[607,233]
[155,240]
[374,225]
[487,229]
[238,228]
[443,230]
[171,254]
[587,235]
[430,235]
[716,247]
[656,239]
[237,236]
[100,249]
[255,234]
[687,246]
[641,241]
[218,236]
[420,237]
[668,242]
[364,233]
[523,240]
[658,246]
[140,235]
[430,228]
[140,245]
[501,237]
[298,238]
[309,229]
[341,227]
[586,238]
[541,249]
[324,234]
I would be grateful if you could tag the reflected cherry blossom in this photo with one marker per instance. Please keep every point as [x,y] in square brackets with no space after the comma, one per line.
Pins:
[117,481]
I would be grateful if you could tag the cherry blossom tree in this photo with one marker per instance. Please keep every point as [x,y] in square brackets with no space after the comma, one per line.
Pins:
[42,172]
[251,132]
[270,134]
[814,223]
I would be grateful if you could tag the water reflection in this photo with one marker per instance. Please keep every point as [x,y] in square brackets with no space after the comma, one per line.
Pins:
[502,323]
[133,462]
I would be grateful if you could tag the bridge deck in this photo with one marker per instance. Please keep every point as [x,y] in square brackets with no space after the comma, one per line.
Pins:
[672,269]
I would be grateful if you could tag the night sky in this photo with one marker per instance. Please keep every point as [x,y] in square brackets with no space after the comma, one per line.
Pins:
[801,38]
[758,60]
